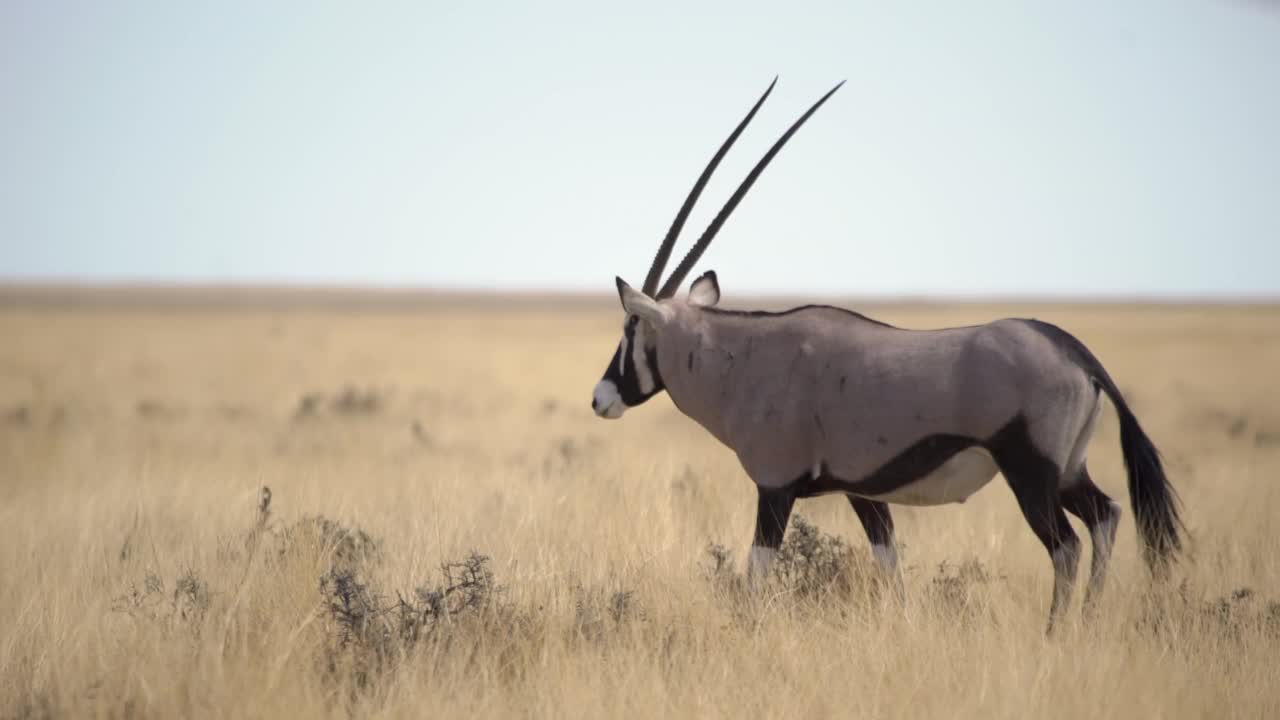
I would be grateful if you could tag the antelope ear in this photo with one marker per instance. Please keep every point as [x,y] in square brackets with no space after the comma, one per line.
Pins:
[641,305]
[705,291]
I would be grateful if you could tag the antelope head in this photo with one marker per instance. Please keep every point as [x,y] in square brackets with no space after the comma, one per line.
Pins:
[633,376]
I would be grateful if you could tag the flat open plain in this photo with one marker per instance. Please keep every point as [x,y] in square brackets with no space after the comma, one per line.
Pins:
[141,575]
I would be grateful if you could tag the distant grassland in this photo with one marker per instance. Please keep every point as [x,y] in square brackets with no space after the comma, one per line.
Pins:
[452,533]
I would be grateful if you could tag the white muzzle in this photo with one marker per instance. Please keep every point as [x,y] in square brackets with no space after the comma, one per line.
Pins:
[606,402]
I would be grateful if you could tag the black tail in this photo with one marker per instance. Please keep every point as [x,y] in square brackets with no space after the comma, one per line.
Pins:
[1155,502]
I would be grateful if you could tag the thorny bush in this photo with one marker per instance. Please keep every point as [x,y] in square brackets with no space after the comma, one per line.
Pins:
[960,592]
[367,631]
[811,566]
[1237,616]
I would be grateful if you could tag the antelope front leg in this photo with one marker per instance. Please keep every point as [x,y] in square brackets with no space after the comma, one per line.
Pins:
[772,512]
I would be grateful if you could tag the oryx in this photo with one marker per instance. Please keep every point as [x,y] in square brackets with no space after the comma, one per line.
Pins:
[819,400]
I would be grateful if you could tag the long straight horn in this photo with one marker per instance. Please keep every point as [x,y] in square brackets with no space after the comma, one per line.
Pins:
[664,251]
[677,277]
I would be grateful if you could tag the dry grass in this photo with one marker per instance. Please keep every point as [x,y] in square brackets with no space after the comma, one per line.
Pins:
[141,576]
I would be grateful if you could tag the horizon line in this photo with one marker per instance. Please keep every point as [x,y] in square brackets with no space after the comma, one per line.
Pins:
[49,290]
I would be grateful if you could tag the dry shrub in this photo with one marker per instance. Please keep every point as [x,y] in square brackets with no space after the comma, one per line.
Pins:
[599,614]
[155,410]
[340,547]
[367,632]
[185,605]
[458,620]
[370,631]
[309,405]
[720,568]
[813,565]
[1239,616]
[961,593]
[17,415]
[812,568]
[350,401]
[354,401]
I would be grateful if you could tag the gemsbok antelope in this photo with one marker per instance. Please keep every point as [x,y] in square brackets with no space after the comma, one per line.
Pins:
[819,399]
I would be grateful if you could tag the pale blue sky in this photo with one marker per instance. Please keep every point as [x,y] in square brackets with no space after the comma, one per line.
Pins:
[978,148]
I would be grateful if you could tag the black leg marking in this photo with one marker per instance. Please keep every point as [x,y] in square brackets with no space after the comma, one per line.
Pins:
[1034,481]
[878,523]
[875,518]
[1101,515]
[772,513]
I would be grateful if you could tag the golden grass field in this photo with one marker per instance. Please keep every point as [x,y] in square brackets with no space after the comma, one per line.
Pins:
[139,578]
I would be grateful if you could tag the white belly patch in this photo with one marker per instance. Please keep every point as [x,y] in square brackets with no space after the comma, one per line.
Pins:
[958,478]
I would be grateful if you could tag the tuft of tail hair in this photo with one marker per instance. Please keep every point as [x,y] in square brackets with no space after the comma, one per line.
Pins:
[1155,503]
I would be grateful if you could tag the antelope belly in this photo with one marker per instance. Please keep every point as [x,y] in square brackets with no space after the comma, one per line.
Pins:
[953,482]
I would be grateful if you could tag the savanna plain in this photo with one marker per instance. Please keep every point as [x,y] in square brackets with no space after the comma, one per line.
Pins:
[333,505]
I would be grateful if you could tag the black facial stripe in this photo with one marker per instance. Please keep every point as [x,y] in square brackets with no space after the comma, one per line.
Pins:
[651,356]
[627,380]
[619,370]
[611,372]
